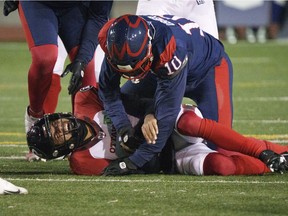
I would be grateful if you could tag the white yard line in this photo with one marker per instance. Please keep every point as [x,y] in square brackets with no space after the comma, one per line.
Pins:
[101,179]
[261,99]
[249,60]
[264,121]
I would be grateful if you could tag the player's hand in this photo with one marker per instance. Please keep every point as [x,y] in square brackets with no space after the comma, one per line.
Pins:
[123,166]
[9,6]
[126,142]
[77,70]
[150,129]
[275,162]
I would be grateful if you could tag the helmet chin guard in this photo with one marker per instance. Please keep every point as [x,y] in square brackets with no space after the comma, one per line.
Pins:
[129,47]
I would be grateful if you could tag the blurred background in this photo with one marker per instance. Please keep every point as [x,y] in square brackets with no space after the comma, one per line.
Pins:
[255,21]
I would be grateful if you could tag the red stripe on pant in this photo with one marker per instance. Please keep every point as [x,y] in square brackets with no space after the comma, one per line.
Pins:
[223,93]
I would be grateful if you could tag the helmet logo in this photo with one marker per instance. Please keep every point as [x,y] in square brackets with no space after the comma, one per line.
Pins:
[71,146]
[55,153]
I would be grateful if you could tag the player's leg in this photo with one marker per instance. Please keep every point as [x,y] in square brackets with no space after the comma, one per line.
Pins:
[43,48]
[198,159]
[41,36]
[51,101]
[190,160]
[213,96]
[224,137]
[238,164]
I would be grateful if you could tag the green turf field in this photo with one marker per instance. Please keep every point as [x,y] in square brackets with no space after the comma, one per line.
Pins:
[260,110]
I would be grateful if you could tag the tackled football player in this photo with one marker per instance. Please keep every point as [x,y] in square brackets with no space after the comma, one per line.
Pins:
[94,148]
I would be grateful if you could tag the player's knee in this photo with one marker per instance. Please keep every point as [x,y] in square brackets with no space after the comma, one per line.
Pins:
[56,83]
[219,164]
[44,57]
[189,124]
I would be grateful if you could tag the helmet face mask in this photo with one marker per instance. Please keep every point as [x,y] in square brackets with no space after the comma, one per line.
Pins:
[138,72]
[129,47]
[54,135]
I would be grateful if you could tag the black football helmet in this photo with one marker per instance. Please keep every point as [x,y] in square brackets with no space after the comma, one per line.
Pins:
[41,142]
[129,46]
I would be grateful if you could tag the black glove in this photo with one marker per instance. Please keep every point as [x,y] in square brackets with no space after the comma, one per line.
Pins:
[275,162]
[77,70]
[127,142]
[123,166]
[9,6]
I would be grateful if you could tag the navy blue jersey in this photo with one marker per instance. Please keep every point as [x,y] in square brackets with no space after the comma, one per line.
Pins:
[177,39]
[184,55]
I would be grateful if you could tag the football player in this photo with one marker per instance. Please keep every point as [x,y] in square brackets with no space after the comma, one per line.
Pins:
[168,58]
[92,140]
[51,99]
[200,11]
[78,24]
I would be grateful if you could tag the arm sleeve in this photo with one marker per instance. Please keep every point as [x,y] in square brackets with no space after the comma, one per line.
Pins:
[168,99]
[98,15]
[136,106]
[82,163]
[109,93]
[87,102]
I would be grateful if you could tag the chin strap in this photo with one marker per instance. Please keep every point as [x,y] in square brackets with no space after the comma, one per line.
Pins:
[97,133]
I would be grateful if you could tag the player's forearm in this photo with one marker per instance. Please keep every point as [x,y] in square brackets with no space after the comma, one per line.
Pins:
[98,15]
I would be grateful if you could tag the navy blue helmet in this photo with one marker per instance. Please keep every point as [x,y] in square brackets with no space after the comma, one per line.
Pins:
[129,46]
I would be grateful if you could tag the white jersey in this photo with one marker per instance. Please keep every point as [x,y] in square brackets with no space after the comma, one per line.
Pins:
[190,151]
[199,11]
[189,160]
[105,148]
[190,155]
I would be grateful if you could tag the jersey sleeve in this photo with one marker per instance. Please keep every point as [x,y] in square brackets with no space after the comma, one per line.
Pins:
[82,163]
[87,102]
[168,54]
[168,99]
[109,93]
